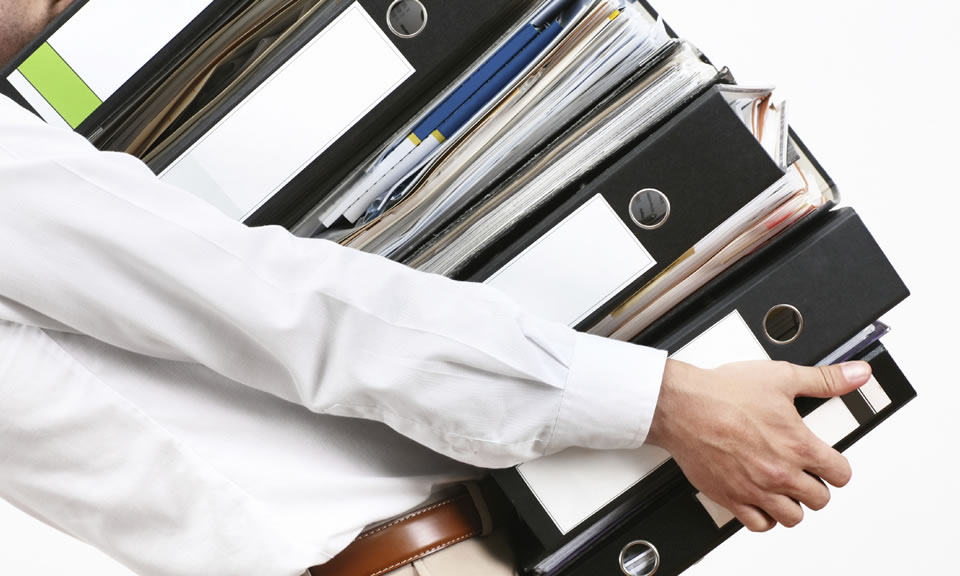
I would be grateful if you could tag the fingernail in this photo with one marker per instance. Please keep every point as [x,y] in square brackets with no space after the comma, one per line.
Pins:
[855,371]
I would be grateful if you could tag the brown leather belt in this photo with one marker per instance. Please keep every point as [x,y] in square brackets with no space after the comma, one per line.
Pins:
[408,538]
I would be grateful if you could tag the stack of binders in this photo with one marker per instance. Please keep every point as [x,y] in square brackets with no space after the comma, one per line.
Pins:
[573,153]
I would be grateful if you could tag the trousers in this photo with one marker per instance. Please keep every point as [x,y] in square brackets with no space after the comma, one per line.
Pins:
[482,556]
[489,555]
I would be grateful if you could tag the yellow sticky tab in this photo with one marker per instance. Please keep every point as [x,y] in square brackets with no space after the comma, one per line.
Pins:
[413,138]
[615,14]
[439,137]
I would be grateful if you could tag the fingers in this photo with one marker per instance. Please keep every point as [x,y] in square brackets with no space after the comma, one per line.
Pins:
[784,510]
[828,464]
[829,381]
[811,492]
[755,519]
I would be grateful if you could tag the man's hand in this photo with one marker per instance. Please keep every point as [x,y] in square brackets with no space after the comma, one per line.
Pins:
[737,436]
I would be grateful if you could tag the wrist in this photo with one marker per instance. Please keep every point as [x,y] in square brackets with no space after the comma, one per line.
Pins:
[669,408]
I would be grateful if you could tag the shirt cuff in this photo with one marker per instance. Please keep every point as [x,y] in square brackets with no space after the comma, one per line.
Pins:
[610,397]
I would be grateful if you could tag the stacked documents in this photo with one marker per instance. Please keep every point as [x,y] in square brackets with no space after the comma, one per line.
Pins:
[596,47]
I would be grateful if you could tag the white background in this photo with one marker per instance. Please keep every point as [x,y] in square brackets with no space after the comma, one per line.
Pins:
[873,88]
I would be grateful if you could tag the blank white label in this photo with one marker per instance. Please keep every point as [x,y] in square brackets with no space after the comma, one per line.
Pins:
[577,266]
[729,340]
[108,41]
[832,421]
[875,395]
[720,515]
[319,94]
[574,484]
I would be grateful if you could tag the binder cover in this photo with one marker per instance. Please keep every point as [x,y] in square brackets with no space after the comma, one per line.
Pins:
[707,164]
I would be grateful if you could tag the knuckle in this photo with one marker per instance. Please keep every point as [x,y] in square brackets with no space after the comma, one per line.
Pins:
[777,476]
[803,450]
[752,495]
[829,378]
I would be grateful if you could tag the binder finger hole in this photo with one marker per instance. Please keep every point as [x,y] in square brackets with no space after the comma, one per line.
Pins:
[406,18]
[782,324]
[639,558]
[649,208]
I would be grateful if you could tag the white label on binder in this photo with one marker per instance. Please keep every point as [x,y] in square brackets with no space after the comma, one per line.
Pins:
[108,41]
[729,340]
[294,116]
[577,266]
[576,483]
[875,395]
[832,421]
[720,515]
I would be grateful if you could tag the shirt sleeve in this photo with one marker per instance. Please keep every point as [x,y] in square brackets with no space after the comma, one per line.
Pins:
[93,242]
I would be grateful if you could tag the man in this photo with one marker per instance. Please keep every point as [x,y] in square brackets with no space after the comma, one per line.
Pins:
[196,397]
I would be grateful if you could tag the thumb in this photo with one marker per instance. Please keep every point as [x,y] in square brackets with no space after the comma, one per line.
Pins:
[830,381]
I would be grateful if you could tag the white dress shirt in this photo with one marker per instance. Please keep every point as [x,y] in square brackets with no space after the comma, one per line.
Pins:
[197,397]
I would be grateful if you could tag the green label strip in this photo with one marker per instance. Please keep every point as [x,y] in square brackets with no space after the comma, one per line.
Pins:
[59,85]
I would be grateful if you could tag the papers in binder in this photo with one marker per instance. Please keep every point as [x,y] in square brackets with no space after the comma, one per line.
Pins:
[595,53]
[215,67]
[765,116]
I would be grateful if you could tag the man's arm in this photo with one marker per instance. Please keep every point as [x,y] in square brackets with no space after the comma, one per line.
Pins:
[94,243]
